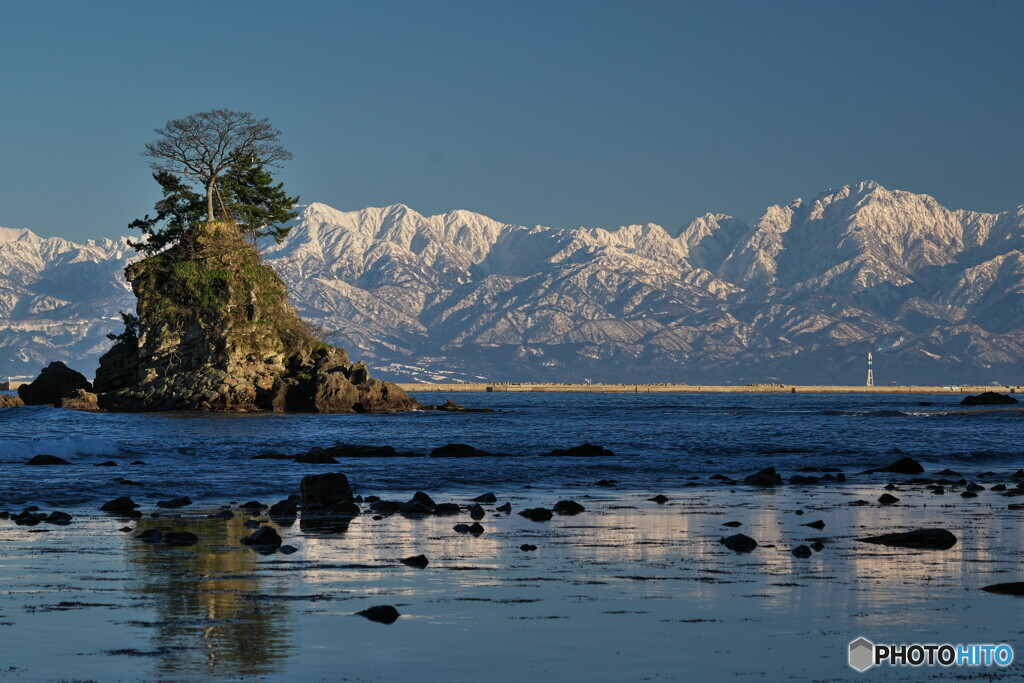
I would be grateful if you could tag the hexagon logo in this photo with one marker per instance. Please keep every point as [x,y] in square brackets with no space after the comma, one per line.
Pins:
[862,654]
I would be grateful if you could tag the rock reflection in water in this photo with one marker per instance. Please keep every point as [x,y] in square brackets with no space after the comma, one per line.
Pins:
[213,618]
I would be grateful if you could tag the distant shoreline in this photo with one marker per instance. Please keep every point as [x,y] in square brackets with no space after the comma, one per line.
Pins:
[497,387]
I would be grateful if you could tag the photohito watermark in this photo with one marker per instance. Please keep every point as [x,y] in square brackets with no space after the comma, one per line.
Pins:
[864,654]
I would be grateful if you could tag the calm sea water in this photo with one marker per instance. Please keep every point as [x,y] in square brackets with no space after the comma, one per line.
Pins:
[658,439]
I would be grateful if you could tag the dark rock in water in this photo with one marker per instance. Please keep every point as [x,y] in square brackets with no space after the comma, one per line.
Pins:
[1019,474]
[799,512]
[105,463]
[223,514]
[801,551]
[659,499]
[447,509]
[174,502]
[253,505]
[739,543]
[968,494]
[504,509]
[55,382]
[938,490]
[476,512]
[526,547]
[1015,506]
[890,487]
[901,466]
[382,614]
[720,477]
[125,529]
[461,528]
[887,499]
[841,477]
[568,507]
[251,524]
[287,549]
[325,489]
[284,508]
[423,499]
[415,507]
[861,503]
[975,487]
[537,514]
[607,483]
[733,524]
[344,509]
[800,480]
[476,528]
[1014,588]
[418,561]
[316,456]
[59,518]
[987,398]
[458,450]
[47,460]
[766,477]
[181,538]
[151,536]
[28,517]
[384,507]
[264,537]
[817,524]
[999,487]
[924,539]
[137,462]
[582,451]
[948,473]
[817,546]
[486,498]
[122,504]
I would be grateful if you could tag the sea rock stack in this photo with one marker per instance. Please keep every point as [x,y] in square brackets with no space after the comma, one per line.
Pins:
[215,332]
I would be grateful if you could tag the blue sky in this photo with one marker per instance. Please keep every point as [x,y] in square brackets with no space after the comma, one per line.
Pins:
[561,113]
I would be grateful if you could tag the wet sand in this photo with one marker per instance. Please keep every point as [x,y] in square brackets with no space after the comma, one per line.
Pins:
[627,590]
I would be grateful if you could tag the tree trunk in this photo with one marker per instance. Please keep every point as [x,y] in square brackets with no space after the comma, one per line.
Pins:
[209,202]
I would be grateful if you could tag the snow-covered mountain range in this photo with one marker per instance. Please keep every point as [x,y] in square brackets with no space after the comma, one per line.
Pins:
[802,295]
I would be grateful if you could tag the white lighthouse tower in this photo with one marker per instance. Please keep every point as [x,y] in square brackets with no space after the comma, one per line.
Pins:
[871,373]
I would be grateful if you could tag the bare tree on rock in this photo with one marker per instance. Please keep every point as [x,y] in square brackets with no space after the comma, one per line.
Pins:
[202,146]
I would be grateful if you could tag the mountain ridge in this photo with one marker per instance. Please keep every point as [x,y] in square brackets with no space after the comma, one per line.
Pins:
[800,295]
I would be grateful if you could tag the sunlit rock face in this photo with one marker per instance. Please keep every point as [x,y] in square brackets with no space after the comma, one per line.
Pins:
[216,332]
[801,295]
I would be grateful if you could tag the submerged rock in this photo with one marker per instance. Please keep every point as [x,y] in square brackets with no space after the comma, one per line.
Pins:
[122,504]
[47,460]
[458,450]
[537,514]
[887,499]
[923,539]
[1012,588]
[739,543]
[174,503]
[659,499]
[901,466]
[989,398]
[568,507]
[801,551]
[382,614]
[325,489]
[582,451]
[263,538]
[766,477]
[418,561]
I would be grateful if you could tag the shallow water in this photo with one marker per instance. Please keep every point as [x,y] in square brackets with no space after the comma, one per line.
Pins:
[628,590]
[657,438]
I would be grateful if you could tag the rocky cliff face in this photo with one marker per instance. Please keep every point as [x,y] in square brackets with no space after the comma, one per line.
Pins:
[215,331]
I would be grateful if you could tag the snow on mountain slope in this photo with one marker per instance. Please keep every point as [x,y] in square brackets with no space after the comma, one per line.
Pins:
[799,296]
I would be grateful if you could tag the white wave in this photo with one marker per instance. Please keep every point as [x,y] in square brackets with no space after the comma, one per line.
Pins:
[67,448]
